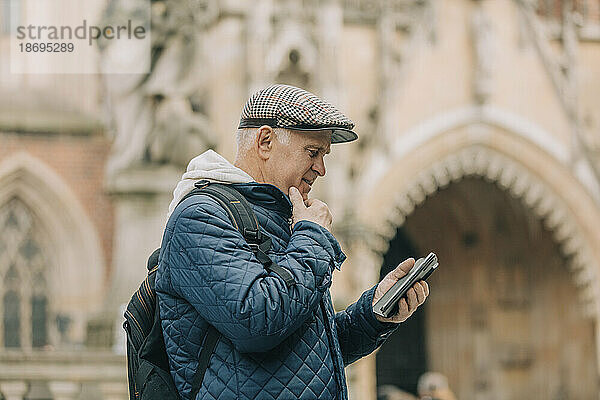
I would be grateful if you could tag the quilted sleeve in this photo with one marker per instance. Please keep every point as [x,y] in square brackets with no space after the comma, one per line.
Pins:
[359,332]
[208,263]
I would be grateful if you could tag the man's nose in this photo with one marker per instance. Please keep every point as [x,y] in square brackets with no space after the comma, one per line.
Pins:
[319,166]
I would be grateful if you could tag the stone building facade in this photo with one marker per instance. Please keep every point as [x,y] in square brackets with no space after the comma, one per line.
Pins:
[479,139]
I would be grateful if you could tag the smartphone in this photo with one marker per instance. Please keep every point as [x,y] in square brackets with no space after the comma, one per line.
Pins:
[387,305]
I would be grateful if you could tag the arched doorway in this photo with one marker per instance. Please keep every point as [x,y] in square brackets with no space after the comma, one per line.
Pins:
[52,265]
[503,319]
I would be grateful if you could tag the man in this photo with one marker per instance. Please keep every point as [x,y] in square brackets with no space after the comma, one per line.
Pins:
[277,341]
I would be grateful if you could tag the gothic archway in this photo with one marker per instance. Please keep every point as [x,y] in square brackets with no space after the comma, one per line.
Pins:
[50,218]
[511,176]
[480,141]
[509,153]
[502,305]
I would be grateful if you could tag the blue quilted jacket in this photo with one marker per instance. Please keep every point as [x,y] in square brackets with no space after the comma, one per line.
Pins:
[277,342]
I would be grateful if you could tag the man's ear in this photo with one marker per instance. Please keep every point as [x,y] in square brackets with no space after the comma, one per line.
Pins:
[264,141]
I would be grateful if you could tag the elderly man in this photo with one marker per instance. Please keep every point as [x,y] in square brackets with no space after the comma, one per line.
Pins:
[276,341]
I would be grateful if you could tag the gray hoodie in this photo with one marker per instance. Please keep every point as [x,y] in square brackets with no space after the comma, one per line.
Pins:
[210,166]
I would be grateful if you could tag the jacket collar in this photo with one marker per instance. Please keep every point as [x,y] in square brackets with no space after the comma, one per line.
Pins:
[267,196]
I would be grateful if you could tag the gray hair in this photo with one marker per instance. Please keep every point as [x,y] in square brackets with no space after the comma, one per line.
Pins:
[245,138]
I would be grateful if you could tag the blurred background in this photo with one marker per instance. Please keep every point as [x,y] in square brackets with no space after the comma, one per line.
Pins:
[479,126]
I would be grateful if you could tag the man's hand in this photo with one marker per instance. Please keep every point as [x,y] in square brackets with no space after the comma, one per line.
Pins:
[416,295]
[311,210]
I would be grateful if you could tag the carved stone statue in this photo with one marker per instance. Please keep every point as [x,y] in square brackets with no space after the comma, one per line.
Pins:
[157,117]
[157,122]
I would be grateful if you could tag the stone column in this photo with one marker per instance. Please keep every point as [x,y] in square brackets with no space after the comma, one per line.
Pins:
[64,390]
[259,36]
[157,123]
[13,390]
[364,273]
[141,200]
[330,19]
[597,332]
[114,390]
[366,385]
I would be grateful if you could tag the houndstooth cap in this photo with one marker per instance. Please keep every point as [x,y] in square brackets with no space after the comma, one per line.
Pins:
[284,106]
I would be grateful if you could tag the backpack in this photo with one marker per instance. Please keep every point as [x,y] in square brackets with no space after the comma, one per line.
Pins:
[148,370]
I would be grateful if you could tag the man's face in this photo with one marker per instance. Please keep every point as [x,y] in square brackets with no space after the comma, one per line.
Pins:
[300,162]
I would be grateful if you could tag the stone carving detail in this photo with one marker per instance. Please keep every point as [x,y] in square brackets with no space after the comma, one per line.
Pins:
[482,37]
[294,73]
[515,356]
[293,55]
[369,11]
[561,67]
[158,118]
[402,26]
[590,141]
[259,30]
[510,176]
[281,44]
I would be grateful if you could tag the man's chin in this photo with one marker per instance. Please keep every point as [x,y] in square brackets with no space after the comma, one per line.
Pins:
[304,189]
[304,194]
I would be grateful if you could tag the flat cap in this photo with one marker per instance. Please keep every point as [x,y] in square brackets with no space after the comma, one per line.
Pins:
[285,106]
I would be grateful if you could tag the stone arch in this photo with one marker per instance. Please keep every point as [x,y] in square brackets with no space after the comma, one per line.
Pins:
[477,116]
[475,153]
[76,278]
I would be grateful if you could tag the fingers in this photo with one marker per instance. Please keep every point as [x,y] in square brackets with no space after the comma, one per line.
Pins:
[403,309]
[411,298]
[426,287]
[402,269]
[390,279]
[317,202]
[420,292]
[417,294]
[407,305]
[296,198]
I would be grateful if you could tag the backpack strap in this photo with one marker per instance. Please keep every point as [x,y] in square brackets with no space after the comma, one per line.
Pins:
[245,221]
[210,342]
[260,250]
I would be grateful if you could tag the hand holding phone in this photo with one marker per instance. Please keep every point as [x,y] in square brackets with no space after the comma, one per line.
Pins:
[386,305]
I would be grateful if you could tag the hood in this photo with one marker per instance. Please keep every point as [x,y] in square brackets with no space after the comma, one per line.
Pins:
[210,166]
